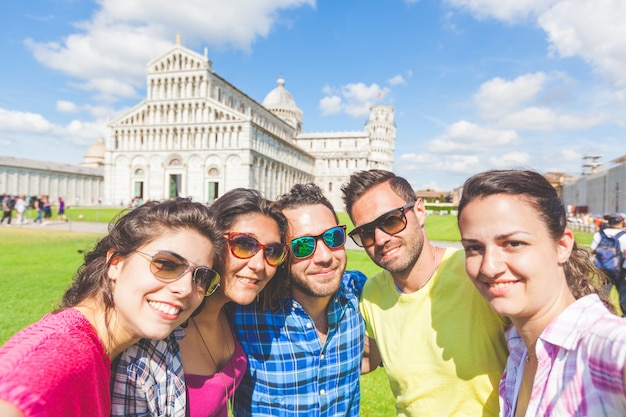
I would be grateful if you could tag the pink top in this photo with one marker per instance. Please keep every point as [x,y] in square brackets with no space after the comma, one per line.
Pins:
[207,393]
[56,367]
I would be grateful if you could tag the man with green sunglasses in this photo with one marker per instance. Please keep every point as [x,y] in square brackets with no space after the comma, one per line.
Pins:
[442,346]
[305,355]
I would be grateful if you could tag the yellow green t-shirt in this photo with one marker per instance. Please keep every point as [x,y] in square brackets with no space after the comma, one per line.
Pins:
[443,347]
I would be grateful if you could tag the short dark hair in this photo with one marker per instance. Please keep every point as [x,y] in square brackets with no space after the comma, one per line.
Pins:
[614,219]
[360,182]
[304,195]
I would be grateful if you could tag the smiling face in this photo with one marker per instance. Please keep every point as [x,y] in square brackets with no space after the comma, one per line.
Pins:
[318,275]
[397,253]
[244,279]
[146,307]
[511,258]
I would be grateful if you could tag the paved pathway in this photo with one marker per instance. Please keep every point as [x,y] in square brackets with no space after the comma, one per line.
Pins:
[87,227]
[102,228]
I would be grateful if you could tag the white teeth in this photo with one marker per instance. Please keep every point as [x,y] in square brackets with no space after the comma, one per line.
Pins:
[248,280]
[501,284]
[165,308]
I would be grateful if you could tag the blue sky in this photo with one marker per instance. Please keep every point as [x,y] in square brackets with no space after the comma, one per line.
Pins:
[476,84]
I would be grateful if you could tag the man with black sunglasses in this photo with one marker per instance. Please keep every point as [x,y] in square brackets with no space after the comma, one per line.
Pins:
[305,352]
[442,347]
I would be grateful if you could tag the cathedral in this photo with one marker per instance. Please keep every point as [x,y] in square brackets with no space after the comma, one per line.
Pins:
[196,135]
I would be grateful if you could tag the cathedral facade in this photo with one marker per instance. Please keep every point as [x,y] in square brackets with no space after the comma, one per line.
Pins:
[196,135]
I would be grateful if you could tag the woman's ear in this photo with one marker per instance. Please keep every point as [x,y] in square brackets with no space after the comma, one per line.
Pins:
[564,246]
[115,264]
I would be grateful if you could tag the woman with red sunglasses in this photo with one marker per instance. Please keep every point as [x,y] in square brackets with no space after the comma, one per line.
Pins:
[142,280]
[196,371]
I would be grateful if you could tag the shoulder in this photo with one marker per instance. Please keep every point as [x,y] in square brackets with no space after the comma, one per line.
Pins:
[379,286]
[353,282]
[252,318]
[64,333]
[61,349]
[453,257]
[158,350]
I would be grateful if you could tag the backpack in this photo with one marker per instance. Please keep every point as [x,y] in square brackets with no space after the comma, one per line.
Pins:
[609,255]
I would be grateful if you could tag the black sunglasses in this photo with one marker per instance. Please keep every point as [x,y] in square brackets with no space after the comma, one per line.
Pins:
[169,266]
[304,246]
[244,246]
[392,222]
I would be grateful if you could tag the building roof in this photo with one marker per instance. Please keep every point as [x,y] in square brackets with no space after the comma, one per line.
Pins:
[9,161]
[279,98]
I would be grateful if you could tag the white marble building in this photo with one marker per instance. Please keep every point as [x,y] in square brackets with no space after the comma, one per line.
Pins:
[77,184]
[197,135]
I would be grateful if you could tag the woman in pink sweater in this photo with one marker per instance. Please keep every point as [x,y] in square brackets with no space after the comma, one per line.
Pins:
[142,280]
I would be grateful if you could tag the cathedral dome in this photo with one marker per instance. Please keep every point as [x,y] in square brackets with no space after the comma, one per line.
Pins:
[280,102]
[279,98]
[95,154]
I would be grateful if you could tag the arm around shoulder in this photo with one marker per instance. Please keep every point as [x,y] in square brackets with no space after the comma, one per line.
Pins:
[371,356]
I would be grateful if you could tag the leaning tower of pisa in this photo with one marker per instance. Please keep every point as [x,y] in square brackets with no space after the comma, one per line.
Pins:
[382,133]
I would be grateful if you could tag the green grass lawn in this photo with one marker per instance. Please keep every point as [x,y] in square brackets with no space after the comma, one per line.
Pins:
[37,266]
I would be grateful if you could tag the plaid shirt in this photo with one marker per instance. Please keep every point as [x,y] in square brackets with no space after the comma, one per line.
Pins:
[289,372]
[581,358]
[148,379]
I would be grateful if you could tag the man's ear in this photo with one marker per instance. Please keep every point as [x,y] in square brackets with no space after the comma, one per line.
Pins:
[420,211]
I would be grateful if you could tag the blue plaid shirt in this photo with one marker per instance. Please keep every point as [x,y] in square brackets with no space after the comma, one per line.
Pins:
[289,372]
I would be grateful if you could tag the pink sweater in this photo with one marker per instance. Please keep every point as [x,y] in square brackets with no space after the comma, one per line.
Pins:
[56,367]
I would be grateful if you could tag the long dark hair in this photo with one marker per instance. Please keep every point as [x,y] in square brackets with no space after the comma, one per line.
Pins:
[131,230]
[243,201]
[583,278]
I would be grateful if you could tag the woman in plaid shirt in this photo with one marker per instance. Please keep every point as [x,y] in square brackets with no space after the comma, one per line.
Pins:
[567,348]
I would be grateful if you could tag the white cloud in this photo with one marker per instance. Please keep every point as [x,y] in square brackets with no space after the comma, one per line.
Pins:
[397,80]
[593,30]
[510,160]
[518,104]
[570,155]
[330,105]
[544,118]
[82,133]
[464,136]
[508,11]
[20,123]
[497,97]
[23,122]
[456,164]
[353,99]
[66,106]
[109,52]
